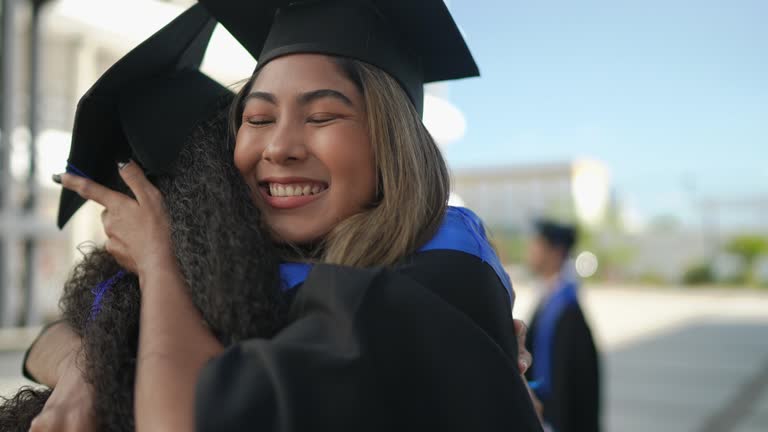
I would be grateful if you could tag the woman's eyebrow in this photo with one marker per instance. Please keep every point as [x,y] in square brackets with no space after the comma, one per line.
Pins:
[266,97]
[306,98]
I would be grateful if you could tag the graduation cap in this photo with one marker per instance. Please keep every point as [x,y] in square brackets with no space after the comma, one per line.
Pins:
[144,107]
[415,41]
[556,234]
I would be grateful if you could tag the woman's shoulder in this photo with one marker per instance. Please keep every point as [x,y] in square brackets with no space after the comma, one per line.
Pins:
[461,229]
[461,240]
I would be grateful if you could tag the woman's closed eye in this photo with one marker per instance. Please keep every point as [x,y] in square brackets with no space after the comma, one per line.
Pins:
[322,118]
[259,121]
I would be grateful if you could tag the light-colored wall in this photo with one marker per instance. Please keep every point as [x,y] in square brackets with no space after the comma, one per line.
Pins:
[512,196]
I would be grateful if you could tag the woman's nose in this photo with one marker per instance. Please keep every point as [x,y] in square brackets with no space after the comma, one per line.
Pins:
[286,145]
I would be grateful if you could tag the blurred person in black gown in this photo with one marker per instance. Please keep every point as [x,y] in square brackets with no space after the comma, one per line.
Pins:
[565,370]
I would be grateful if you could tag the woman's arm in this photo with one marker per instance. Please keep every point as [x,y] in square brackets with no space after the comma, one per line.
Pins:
[174,345]
[53,361]
[54,350]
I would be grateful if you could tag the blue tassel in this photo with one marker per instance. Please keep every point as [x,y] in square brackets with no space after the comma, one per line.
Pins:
[100,290]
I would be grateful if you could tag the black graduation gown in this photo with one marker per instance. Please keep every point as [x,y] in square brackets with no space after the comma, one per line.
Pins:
[574,401]
[427,346]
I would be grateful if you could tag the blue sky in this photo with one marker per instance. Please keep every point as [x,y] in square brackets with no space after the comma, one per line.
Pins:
[671,95]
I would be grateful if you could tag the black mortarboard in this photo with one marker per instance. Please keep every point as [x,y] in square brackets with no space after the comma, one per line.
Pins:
[415,41]
[144,107]
[556,234]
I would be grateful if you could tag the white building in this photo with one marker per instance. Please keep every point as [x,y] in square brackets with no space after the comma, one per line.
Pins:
[511,196]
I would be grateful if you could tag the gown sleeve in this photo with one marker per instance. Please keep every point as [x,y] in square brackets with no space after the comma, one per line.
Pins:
[370,349]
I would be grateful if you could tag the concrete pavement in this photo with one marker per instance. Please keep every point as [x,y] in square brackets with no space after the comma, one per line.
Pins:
[678,359]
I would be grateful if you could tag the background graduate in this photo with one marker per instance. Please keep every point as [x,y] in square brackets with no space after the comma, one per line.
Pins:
[565,366]
[400,308]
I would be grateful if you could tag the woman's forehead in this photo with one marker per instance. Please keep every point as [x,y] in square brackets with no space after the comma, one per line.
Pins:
[303,72]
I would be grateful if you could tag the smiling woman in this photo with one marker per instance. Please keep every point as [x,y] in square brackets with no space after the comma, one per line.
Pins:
[345,132]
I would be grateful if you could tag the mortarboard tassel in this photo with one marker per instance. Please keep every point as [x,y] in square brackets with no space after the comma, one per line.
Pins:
[100,290]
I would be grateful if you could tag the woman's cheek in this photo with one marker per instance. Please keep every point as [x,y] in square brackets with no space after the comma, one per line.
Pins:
[247,153]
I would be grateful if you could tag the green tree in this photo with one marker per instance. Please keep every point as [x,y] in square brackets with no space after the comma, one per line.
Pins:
[748,247]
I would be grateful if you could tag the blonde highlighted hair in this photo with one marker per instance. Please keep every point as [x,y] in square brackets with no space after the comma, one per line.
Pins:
[413,180]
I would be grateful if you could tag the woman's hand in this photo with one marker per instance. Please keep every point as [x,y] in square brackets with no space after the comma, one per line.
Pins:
[524,358]
[70,406]
[524,361]
[138,233]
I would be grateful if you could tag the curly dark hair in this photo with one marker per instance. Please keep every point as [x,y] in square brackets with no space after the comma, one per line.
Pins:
[227,258]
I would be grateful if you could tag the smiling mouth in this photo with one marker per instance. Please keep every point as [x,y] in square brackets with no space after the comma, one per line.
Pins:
[281,190]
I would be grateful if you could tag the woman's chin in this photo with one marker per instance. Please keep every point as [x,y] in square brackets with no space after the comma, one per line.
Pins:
[294,236]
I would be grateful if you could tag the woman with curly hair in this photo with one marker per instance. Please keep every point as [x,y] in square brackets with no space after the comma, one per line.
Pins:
[238,297]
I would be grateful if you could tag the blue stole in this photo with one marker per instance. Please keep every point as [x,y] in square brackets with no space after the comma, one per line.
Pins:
[461,230]
[546,324]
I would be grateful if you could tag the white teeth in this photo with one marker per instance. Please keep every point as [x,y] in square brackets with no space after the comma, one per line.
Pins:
[279,190]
